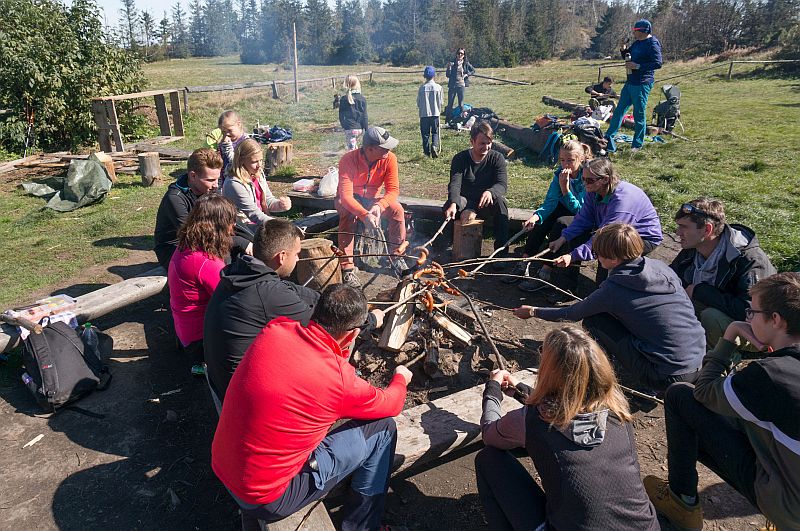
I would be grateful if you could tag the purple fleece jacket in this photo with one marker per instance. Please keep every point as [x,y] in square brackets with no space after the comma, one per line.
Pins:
[626,204]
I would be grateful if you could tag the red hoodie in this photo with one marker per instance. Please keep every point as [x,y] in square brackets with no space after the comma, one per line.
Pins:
[291,386]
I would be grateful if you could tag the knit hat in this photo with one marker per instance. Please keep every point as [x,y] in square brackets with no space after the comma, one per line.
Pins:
[378,136]
[643,25]
[429,72]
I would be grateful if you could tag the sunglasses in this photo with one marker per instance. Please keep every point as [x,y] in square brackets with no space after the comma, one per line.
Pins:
[688,209]
[750,313]
[592,180]
[460,53]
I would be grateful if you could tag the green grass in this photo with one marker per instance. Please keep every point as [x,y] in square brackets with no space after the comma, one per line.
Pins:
[744,150]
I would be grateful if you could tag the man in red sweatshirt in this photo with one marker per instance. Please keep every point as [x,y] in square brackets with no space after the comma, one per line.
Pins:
[272,449]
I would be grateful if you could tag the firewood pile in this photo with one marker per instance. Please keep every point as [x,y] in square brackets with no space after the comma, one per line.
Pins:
[124,161]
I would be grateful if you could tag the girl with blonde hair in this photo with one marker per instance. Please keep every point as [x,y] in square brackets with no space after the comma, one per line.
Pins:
[353,112]
[247,187]
[576,427]
[563,200]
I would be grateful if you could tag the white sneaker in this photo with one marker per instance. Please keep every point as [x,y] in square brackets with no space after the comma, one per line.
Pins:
[634,151]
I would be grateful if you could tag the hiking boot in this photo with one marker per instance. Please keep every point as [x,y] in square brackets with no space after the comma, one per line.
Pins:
[350,278]
[519,270]
[680,514]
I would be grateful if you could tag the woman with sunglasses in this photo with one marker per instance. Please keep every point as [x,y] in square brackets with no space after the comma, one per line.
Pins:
[608,200]
[576,427]
[640,315]
[458,72]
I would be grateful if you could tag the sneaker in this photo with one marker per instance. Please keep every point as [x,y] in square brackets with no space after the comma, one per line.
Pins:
[350,278]
[681,515]
[634,151]
[435,152]
[519,270]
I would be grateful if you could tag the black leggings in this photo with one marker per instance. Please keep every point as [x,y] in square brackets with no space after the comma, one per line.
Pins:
[547,229]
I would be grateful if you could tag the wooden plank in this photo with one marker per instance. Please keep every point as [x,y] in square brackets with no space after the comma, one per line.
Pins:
[134,95]
[312,517]
[399,321]
[12,164]
[103,129]
[161,112]
[235,86]
[177,117]
[452,328]
[113,124]
[432,430]
[181,154]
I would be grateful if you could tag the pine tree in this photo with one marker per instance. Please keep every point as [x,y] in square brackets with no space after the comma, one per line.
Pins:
[317,39]
[148,25]
[180,34]
[130,23]
[353,44]
[614,25]
[198,30]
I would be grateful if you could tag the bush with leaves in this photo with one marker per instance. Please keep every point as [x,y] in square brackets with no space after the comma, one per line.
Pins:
[54,60]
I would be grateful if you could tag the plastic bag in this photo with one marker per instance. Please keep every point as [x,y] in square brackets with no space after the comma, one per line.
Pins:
[329,183]
[304,185]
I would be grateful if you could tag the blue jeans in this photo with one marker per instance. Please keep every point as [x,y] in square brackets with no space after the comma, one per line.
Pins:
[364,449]
[635,95]
[429,128]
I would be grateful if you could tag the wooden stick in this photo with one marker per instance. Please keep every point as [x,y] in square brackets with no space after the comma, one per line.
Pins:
[438,232]
[404,301]
[509,242]
[565,292]
[501,362]
[634,392]
[415,359]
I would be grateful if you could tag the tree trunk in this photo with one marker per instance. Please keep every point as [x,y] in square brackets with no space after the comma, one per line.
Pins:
[149,167]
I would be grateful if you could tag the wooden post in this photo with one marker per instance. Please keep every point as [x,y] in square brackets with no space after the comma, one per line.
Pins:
[103,129]
[296,87]
[149,167]
[175,107]
[467,239]
[163,117]
[186,100]
[275,94]
[599,73]
[113,123]
[279,154]
[398,323]
[107,162]
[730,71]
[370,76]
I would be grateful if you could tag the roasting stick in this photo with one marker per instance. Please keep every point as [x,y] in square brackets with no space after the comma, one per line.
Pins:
[501,362]
[473,261]
[509,242]
[438,232]
[404,301]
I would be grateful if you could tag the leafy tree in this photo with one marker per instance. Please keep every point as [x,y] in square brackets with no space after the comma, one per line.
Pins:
[55,59]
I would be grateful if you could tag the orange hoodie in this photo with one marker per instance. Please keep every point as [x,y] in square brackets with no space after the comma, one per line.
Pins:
[357,177]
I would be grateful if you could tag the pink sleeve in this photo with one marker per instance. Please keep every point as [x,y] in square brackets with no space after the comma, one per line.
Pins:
[208,274]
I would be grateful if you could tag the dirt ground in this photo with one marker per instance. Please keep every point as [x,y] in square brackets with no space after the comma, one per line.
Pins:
[145,463]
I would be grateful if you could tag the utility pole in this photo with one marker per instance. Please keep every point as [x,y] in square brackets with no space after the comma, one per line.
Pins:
[296,88]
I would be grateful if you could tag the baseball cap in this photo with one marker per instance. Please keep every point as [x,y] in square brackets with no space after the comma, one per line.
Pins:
[429,72]
[378,136]
[643,25]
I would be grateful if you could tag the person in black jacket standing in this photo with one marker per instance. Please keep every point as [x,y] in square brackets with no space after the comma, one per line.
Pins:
[718,265]
[353,112]
[479,182]
[458,72]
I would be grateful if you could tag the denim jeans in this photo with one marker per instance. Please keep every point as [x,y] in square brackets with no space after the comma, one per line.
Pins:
[635,95]
[429,128]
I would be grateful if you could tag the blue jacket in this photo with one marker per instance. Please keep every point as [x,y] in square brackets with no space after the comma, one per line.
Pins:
[573,200]
[647,54]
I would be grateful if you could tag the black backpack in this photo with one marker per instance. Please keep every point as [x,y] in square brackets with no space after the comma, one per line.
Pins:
[64,364]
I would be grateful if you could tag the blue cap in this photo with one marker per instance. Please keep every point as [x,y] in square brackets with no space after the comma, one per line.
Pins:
[643,25]
[429,72]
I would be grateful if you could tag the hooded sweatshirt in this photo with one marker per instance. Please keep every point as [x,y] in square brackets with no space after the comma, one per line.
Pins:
[646,296]
[589,468]
[249,295]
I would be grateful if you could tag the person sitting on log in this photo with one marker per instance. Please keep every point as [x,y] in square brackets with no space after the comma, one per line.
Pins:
[247,187]
[577,429]
[202,177]
[203,243]
[479,183]
[718,264]
[563,200]
[230,126]
[608,200]
[602,93]
[273,450]
[640,315]
[742,423]
[362,173]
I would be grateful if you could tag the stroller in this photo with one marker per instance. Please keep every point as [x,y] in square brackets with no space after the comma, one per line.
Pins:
[667,113]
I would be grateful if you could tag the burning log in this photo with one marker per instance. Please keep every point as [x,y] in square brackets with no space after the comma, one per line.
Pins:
[398,322]
[452,328]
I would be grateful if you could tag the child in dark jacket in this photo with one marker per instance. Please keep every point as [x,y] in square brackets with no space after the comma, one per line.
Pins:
[641,314]
[353,112]
[576,427]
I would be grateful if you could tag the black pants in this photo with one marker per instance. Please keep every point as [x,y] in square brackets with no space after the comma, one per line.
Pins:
[548,228]
[511,499]
[429,128]
[452,92]
[696,433]
[498,210]
[634,368]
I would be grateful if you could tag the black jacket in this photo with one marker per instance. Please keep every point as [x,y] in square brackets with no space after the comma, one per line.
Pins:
[735,274]
[353,116]
[172,213]
[249,295]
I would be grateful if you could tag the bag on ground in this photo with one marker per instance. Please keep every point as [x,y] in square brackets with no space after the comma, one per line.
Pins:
[329,183]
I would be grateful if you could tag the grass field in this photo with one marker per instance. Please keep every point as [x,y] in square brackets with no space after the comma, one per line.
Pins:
[744,150]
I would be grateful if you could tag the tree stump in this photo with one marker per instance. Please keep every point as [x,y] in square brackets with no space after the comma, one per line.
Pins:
[324,271]
[467,239]
[106,160]
[278,155]
[149,167]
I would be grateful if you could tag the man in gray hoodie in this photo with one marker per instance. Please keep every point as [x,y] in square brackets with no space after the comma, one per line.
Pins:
[640,315]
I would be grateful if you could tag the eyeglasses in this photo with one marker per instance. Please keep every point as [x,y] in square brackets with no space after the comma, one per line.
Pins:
[688,209]
[749,313]
[592,180]
[460,53]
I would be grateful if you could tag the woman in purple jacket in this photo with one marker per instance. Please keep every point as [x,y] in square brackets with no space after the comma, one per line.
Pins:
[608,200]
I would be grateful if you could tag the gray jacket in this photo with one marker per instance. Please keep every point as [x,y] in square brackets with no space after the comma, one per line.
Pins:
[244,197]
[430,99]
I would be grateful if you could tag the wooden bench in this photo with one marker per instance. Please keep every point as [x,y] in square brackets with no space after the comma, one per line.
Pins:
[105,116]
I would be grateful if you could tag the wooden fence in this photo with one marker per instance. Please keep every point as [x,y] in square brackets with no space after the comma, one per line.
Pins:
[720,65]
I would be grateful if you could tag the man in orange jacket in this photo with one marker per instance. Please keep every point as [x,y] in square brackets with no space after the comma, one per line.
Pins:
[361,174]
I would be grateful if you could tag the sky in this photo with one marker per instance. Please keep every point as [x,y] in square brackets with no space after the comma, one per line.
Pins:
[111,8]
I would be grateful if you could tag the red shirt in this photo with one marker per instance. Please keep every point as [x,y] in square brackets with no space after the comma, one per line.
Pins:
[192,278]
[291,386]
